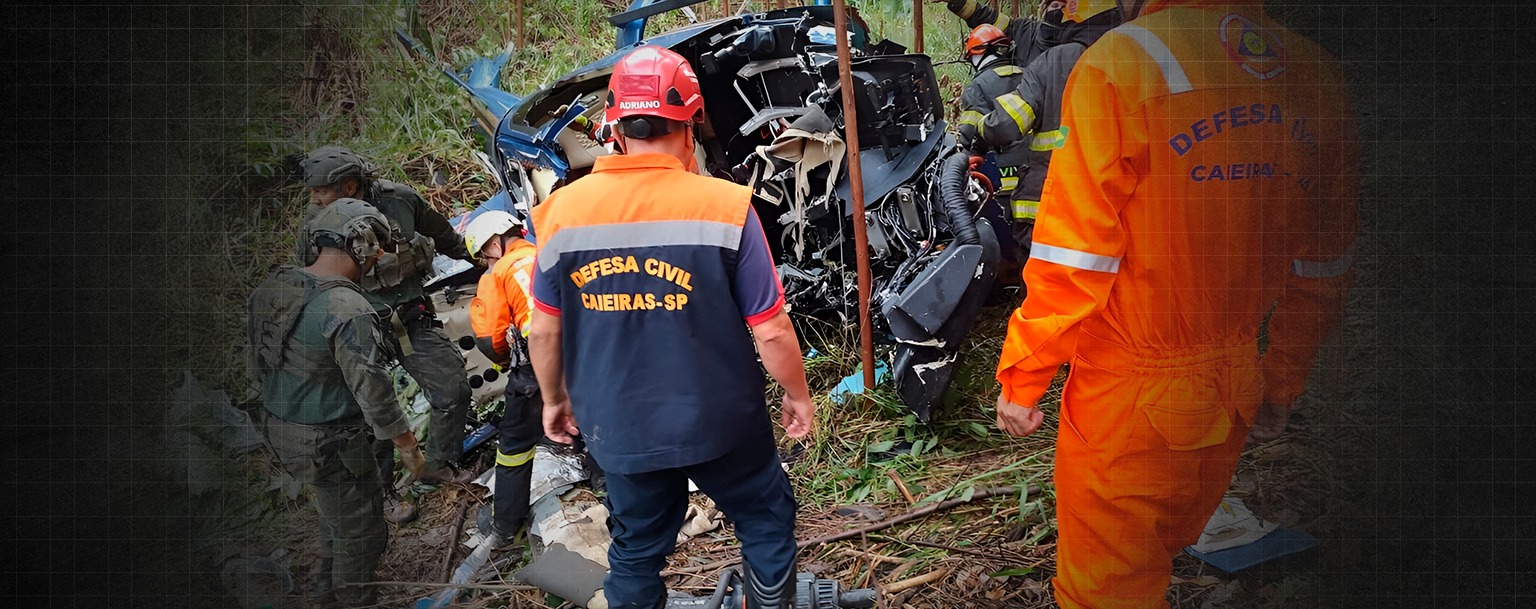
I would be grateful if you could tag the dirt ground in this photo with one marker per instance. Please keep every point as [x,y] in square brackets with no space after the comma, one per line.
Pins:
[1306,479]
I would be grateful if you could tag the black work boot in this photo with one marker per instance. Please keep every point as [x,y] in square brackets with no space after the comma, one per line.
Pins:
[778,595]
[500,540]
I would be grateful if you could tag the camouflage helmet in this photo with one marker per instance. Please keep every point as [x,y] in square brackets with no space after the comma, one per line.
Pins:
[350,225]
[329,164]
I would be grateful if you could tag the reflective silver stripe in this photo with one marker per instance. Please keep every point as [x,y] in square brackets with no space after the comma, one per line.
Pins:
[1173,73]
[1325,268]
[1074,258]
[638,234]
[1026,210]
[1019,110]
[1049,140]
[972,118]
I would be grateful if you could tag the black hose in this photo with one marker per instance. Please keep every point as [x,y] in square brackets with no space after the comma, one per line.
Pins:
[954,172]
[862,598]
[717,599]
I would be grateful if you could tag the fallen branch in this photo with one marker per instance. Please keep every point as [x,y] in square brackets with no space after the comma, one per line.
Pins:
[941,546]
[869,555]
[453,542]
[901,486]
[916,513]
[913,582]
[435,585]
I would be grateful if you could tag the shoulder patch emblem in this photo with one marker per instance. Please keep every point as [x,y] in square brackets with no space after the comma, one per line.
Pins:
[1258,51]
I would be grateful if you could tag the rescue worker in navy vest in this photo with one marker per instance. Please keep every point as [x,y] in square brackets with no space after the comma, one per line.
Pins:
[417,338]
[652,287]
[990,53]
[1027,119]
[499,316]
[316,349]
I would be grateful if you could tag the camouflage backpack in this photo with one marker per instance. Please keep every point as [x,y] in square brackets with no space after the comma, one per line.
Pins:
[272,315]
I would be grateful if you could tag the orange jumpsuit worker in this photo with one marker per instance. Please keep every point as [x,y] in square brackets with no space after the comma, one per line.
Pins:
[499,317]
[1209,175]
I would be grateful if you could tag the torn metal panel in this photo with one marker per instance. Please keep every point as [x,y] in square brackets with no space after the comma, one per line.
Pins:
[773,120]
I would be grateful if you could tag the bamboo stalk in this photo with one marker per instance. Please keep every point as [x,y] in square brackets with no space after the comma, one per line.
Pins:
[913,582]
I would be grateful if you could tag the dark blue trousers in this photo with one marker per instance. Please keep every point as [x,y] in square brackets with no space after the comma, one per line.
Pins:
[646,511]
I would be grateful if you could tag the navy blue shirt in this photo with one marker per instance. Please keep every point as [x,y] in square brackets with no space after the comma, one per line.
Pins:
[656,274]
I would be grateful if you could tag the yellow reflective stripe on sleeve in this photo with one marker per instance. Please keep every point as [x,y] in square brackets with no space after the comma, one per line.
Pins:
[1009,183]
[1025,210]
[1007,70]
[506,460]
[972,118]
[1049,140]
[1023,115]
[966,10]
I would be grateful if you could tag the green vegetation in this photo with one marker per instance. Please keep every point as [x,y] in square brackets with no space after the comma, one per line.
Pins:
[337,75]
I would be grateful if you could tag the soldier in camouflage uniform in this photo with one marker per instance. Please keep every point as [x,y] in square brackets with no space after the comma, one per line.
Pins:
[316,348]
[395,283]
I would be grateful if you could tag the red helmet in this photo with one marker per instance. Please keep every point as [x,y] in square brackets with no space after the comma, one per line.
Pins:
[983,38]
[653,81]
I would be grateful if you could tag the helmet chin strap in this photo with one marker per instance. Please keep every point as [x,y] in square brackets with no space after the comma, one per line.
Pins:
[980,62]
[693,146]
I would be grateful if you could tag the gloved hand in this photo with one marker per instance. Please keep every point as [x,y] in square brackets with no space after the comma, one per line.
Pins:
[581,124]
[410,454]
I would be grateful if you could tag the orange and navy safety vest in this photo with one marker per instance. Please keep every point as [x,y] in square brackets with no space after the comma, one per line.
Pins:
[502,300]
[656,274]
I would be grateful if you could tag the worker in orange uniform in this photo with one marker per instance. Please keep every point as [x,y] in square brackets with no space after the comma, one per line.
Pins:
[1209,175]
[499,317]
[655,293]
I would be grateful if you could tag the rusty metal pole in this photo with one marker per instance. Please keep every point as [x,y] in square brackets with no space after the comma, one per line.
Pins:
[520,36]
[726,6]
[856,189]
[917,24]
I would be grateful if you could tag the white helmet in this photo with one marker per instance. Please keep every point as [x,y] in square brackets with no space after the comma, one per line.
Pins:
[485,226]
